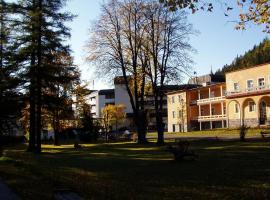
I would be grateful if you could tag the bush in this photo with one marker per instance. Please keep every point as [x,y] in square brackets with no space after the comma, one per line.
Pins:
[243,131]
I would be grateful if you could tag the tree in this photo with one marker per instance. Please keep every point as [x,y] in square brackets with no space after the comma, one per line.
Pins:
[43,34]
[119,115]
[259,54]
[114,47]
[60,77]
[257,11]
[112,115]
[9,82]
[146,43]
[166,48]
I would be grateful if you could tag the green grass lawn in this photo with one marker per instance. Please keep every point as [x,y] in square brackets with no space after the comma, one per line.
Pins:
[213,133]
[224,170]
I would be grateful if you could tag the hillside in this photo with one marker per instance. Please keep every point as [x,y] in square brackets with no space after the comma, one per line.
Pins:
[259,54]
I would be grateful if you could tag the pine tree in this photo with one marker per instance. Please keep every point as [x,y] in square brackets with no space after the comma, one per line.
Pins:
[44,34]
[259,54]
[9,82]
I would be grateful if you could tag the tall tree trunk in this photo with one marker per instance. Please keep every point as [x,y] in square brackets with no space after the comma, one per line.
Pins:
[141,123]
[160,128]
[32,99]
[56,129]
[39,89]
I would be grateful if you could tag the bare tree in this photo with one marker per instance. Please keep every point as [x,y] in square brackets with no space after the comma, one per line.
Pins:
[143,42]
[115,46]
[167,48]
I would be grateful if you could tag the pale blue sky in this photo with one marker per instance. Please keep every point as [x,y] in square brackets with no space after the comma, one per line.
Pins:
[217,44]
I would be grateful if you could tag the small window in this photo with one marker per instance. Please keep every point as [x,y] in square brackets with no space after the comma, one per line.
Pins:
[236,86]
[173,99]
[251,106]
[179,98]
[236,108]
[173,114]
[261,83]
[250,85]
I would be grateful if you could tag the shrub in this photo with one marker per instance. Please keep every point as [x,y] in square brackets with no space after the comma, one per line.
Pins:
[243,131]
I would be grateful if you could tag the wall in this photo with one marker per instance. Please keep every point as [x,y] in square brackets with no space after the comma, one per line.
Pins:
[177,106]
[122,97]
[242,76]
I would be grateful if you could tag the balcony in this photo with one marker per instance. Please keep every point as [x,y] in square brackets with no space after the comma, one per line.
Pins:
[249,91]
[211,118]
[211,100]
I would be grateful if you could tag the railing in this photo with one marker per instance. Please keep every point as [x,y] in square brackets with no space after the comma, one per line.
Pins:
[249,90]
[210,117]
[220,98]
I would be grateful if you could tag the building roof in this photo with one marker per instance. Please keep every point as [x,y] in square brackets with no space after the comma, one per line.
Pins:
[106,92]
[208,78]
[168,88]
[120,79]
[196,87]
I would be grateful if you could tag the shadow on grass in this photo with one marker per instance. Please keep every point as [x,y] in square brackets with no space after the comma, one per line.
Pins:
[224,170]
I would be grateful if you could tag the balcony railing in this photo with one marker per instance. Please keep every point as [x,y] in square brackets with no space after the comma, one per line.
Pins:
[212,99]
[210,117]
[249,90]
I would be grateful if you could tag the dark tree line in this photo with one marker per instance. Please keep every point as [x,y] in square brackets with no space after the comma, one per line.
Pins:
[33,45]
[259,54]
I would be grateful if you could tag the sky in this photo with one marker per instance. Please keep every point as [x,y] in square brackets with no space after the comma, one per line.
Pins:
[216,44]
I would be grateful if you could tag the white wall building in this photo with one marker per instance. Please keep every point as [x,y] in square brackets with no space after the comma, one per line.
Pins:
[99,99]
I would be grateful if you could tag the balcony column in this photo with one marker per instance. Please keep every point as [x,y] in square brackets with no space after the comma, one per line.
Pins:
[211,123]
[200,114]
[222,111]
[199,95]
[209,92]
[221,91]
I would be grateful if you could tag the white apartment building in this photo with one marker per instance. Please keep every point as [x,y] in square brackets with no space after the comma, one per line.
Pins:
[98,99]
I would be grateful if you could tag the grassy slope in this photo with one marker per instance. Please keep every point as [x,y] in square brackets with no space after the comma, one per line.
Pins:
[224,170]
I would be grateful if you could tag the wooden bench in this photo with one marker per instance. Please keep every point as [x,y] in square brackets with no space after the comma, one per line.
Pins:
[265,133]
[181,150]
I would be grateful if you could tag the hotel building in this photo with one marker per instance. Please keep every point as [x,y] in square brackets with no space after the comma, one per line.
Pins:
[248,96]
[243,99]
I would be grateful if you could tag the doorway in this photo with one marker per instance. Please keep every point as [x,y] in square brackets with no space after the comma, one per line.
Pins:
[263,113]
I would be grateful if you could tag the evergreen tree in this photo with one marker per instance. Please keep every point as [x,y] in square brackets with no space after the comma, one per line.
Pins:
[259,54]
[43,37]
[9,82]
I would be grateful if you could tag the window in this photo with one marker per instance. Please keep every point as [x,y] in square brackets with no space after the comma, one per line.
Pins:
[261,83]
[236,86]
[250,85]
[213,111]
[173,99]
[251,106]
[180,114]
[173,127]
[173,114]
[212,94]
[236,106]
[179,98]
[202,111]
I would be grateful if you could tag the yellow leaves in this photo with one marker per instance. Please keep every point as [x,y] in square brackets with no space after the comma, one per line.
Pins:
[113,114]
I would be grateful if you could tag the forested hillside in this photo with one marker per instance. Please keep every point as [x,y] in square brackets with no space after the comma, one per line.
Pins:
[259,54]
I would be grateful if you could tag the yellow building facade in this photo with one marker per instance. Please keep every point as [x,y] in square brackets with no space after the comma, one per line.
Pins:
[244,99]
[248,97]
[199,108]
